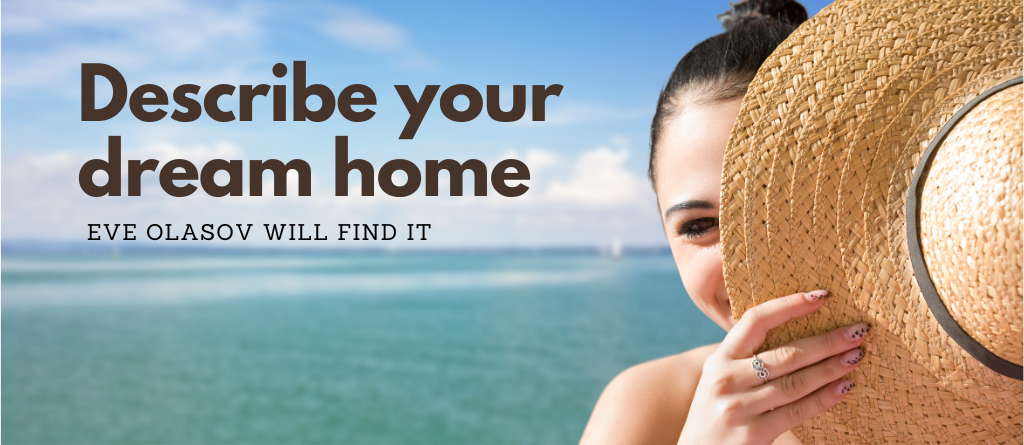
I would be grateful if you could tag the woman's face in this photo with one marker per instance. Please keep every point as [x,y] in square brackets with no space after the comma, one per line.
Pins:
[688,172]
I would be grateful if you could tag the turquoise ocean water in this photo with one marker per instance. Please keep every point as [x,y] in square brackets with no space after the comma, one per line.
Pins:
[437,348]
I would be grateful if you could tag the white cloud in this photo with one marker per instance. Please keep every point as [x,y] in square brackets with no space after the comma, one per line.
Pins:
[358,29]
[176,36]
[127,34]
[198,154]
[178,25]
[29,17]
[361,31]
[599,178]
[538,160]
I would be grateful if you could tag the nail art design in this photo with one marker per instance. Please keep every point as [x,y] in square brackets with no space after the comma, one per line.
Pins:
[859,332]
[818,294]
[854,359]
[847,387]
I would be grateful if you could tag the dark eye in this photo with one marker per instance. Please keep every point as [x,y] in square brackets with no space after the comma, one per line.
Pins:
[694,228]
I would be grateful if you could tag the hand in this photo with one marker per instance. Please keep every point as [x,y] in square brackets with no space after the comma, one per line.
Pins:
[732,406]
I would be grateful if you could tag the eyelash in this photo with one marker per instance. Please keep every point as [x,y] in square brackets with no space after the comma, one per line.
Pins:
[695,228]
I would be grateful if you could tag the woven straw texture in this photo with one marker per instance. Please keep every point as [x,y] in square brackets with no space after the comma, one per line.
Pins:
[813,196]
[980,265]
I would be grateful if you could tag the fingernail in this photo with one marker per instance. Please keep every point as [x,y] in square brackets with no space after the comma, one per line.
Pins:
[855,332]
[852,357]
[845,387]
[816,295]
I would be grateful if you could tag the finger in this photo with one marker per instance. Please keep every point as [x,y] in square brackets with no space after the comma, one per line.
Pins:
[794,386]
[788,416]
[804,352]
[749,333]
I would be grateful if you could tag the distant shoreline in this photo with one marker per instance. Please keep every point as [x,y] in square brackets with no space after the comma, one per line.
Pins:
[78,247]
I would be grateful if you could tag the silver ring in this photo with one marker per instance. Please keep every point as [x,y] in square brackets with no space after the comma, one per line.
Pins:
[759,371]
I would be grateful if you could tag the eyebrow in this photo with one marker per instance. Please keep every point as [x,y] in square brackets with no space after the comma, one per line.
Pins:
[687,205]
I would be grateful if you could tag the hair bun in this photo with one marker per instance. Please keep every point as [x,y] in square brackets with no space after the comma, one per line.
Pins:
[744,12]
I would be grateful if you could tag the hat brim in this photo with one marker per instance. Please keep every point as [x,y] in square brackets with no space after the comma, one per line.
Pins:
[814,191]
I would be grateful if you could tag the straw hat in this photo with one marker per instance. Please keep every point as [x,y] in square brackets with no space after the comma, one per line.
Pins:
[878,155]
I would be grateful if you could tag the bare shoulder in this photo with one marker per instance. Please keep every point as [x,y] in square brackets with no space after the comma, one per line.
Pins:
[647,403]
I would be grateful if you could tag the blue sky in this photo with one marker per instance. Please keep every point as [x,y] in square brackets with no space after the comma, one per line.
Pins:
[588,160]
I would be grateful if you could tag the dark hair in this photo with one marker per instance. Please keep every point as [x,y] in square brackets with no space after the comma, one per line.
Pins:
[721,67]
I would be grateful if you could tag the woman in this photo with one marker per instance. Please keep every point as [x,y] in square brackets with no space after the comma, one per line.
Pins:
[721,393]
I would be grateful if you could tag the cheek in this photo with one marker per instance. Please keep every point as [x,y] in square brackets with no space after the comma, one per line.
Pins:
[701,272]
